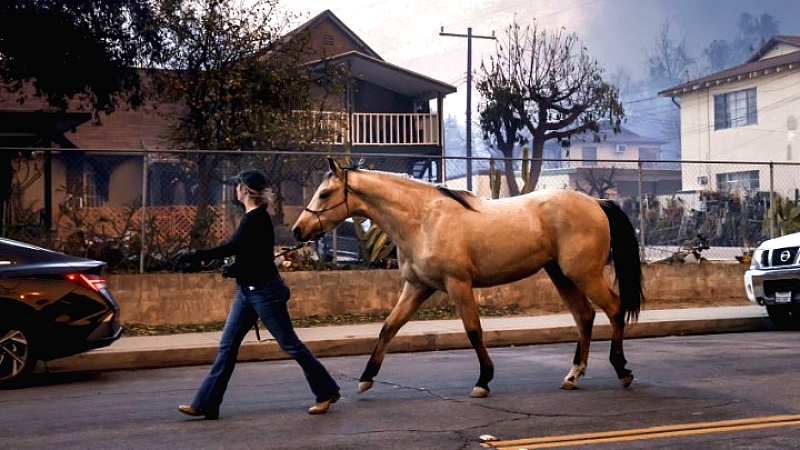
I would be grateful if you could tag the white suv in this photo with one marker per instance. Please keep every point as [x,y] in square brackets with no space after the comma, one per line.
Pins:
[774,279]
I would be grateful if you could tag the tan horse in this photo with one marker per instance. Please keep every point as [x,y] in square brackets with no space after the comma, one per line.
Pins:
[452,241]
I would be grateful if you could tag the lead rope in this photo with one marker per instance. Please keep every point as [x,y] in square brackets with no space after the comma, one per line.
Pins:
[321,229]
[276,256]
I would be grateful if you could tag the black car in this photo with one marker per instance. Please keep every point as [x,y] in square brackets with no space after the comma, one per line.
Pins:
[51,305]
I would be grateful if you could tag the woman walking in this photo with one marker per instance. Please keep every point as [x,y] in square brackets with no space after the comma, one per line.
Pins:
[261,293]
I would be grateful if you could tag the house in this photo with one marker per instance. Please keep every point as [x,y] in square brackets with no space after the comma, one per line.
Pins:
[608,167]
[385,109]
[743,114]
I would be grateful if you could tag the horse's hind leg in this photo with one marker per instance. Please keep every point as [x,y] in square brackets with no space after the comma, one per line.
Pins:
[411,298]
[608,300]
[583,314]
[461,294]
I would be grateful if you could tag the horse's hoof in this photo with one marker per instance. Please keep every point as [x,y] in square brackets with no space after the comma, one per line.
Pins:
[364,386]
[627,380]
[479,392]
[569,385]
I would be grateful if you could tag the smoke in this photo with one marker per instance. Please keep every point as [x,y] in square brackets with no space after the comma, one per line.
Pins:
[618,33]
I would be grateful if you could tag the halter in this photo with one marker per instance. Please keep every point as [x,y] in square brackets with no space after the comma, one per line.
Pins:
[343,202]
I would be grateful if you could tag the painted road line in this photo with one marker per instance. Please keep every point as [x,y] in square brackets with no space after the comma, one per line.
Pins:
[660,432]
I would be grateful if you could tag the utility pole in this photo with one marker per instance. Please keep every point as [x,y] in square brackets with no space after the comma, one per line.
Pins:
[469,37]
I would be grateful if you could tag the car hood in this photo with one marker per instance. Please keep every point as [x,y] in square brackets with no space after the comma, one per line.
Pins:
[790,240]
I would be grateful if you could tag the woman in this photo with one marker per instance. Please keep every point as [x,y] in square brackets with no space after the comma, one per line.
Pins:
[261,293]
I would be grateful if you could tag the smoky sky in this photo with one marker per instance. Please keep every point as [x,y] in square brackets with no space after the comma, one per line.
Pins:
[622,32]
[618,33]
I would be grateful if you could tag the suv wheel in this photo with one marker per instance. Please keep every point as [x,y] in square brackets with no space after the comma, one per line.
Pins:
[785,317]
[16,356]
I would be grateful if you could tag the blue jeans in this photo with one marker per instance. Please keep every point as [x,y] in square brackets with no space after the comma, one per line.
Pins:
[267,302]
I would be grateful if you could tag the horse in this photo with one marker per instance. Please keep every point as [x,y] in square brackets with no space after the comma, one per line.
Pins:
[454,241]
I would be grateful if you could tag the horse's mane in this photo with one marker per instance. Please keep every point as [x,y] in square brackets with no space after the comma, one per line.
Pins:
[458,195]
[461,196]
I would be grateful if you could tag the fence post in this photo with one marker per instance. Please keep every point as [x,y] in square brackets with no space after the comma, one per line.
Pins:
[143,251]
[641,212]
[773,215]
[48,196]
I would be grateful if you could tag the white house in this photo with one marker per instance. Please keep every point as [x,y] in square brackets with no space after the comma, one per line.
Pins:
[613,161]
[743,114]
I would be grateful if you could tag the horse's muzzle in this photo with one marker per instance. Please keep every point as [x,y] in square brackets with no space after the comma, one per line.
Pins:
[298,234]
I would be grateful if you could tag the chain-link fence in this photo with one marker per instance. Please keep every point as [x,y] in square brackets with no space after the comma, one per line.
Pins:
[135,209]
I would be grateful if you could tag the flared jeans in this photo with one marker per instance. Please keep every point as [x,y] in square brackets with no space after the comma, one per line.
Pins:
[267,302]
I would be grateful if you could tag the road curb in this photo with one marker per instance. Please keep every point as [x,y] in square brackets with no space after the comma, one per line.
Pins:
[110,359]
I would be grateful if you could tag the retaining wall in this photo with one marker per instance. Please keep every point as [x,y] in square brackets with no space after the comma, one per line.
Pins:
[175,299]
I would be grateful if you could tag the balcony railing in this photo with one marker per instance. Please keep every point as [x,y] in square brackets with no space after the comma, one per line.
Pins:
[395,129]
[378,128]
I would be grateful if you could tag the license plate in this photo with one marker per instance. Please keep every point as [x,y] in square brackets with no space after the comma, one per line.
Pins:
[783,297]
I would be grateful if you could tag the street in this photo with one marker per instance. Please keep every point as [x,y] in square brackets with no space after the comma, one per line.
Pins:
[421,401]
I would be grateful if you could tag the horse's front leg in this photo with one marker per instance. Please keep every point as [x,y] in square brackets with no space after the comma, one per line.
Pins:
[411,298]
[460,291]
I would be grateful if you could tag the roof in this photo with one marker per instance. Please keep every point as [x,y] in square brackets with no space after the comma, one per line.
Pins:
[793,41]
[34,128]
[754,67]
[625,136]
[390,76]
[329,15]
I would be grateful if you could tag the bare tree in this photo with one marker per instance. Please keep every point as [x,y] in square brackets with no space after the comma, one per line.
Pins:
[597,183]
[545,83]
[669,61]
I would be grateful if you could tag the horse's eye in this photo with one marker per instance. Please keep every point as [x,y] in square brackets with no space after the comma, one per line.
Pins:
[324,195]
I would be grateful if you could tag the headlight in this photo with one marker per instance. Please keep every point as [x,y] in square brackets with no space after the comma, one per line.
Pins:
[755,262]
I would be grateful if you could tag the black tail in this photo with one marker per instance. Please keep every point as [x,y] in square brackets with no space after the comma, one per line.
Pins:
[627,264]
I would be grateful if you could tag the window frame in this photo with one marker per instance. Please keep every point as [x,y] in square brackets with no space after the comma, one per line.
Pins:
[589,156]
[736,109]
[743,180]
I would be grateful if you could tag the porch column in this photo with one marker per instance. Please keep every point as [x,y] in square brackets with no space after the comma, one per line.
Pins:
[440,113]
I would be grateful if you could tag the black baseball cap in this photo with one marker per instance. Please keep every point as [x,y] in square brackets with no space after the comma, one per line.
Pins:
[252,178]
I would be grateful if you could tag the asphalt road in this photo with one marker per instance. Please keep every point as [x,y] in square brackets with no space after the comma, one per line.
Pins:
[420,401]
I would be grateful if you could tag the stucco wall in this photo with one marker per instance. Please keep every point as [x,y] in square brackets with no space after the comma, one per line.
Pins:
[773,138]
[160,299]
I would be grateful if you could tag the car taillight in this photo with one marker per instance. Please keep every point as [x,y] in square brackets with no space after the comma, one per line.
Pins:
[93,282]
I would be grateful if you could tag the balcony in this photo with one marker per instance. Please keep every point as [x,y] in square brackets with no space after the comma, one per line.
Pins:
[376,129]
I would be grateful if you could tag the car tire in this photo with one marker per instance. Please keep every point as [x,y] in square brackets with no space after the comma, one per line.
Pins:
[17,357]
[785,317]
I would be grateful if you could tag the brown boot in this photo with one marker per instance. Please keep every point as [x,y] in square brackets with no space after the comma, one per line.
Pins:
[322,407]
[196,412]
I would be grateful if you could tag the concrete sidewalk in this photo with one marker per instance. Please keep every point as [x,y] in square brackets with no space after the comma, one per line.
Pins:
[143,352]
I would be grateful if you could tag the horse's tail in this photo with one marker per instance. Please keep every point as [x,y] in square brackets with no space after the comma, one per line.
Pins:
[627,263]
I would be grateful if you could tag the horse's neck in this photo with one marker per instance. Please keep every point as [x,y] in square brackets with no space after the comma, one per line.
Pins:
[393,203]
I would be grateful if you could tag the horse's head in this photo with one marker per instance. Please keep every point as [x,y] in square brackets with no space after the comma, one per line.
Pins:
[327,209]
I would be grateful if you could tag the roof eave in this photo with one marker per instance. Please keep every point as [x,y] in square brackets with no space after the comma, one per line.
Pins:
[433,86]
[707,84]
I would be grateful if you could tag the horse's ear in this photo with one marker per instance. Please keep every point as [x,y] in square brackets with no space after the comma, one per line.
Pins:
[335,169]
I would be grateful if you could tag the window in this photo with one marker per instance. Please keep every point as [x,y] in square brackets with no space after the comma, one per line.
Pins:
[735,109]
[92,195]
[554,157]
[743,181]
[589,156]
[649,155]
[87,182]
[620,148]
